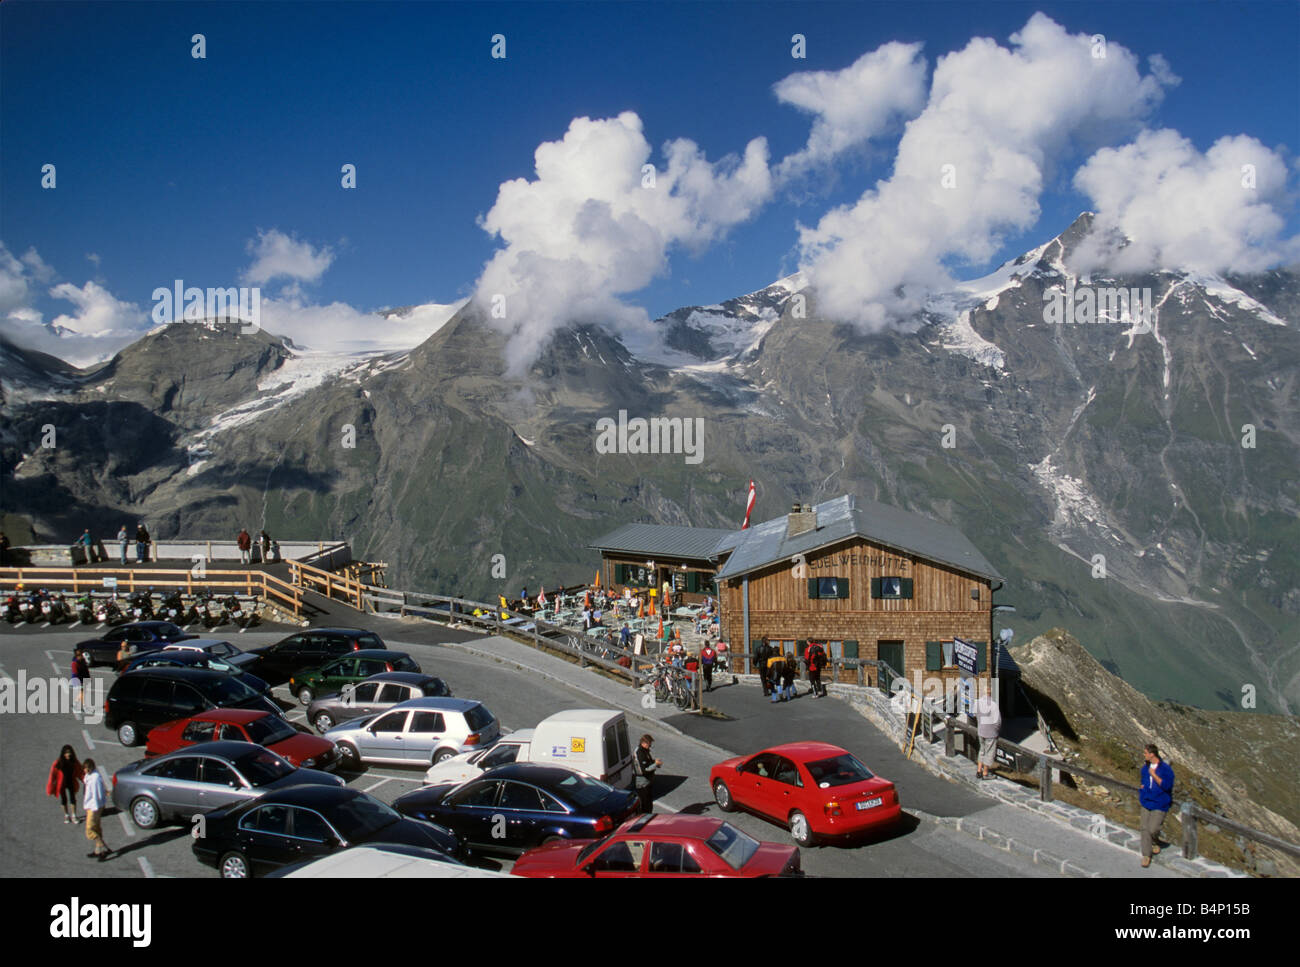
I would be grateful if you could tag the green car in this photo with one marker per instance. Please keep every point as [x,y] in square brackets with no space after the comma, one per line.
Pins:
[350,669]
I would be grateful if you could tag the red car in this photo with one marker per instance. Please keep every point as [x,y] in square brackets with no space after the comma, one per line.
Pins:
[815,789]
[302,749]
[657,845]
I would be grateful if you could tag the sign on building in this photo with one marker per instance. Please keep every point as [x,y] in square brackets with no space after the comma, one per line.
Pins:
[967,656]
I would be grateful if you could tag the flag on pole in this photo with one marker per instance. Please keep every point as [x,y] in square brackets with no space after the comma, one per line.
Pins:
[541,599]
[661,628]
[749,504]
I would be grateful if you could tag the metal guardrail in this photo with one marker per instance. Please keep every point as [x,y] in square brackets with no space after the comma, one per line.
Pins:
[1189,813]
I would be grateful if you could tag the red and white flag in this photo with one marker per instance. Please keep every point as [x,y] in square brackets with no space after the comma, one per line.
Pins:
[749,505]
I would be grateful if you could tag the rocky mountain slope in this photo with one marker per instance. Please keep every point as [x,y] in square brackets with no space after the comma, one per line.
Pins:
[1101,469]
[1239,764]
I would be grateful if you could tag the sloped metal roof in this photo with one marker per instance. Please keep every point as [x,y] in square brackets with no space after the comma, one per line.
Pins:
[847,517]
[663,541]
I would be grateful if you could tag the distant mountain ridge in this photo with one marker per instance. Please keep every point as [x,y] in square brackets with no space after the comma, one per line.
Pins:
[1076,450]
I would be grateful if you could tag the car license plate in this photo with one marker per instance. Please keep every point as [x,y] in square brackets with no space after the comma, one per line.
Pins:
[868,803]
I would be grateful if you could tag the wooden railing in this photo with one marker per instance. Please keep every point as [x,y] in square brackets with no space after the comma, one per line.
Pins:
[129,580]
[331,585]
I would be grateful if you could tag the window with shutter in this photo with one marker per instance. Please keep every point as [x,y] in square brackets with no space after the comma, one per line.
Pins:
[875,587]
[841,587]
[905,589]
[981,653]
[933,656]
[812,587]
[850,649]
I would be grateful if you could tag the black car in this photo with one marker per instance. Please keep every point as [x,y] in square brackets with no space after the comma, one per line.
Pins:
[165,658]
[305,823]
[378,693]
[141,637]
[309,649]
[143,699]
[516,807]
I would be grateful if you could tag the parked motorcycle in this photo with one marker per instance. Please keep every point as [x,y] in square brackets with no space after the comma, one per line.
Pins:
[172,608]
[244,617]
[107,611]
[85,609]
[214,613]
[54,608]
[140,606]
[29,606]
[12,614]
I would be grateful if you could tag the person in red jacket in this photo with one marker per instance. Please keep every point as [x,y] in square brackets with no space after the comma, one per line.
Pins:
[65,778]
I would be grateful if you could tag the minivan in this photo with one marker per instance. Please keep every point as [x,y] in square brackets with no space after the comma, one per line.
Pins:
[143,699]
[593,741]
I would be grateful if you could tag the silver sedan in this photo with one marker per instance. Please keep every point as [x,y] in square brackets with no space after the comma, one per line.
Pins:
[199,778]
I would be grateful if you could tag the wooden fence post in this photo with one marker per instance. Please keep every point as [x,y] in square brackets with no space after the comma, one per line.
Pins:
[949,740]
[1187,816]
[1044,779]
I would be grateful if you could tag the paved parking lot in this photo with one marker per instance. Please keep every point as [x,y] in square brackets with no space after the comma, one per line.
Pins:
[35,842]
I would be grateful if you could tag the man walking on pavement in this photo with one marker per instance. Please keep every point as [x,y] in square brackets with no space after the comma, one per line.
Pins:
[1157,781]
[245,542]
[989,717]
[93,802]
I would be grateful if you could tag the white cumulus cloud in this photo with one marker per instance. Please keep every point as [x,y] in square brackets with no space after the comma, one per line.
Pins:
[1161,203]
[972,166]
[280,256]
[590,228]
[855,104]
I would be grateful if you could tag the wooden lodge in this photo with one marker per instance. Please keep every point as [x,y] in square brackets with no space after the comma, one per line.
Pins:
[865,579]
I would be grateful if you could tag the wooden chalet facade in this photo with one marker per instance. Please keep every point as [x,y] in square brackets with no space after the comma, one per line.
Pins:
[867,580]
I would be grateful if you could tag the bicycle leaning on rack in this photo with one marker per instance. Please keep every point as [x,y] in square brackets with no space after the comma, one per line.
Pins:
[673,684]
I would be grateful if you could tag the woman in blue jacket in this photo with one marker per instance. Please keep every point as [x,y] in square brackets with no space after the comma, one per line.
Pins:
[1157,781]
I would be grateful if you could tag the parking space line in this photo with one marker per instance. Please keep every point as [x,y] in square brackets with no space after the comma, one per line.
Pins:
[373,787]
[126,825]
[147,867]
[74,624]
[90,743]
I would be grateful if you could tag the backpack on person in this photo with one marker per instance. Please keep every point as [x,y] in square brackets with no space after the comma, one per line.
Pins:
[707,655]
[816,656]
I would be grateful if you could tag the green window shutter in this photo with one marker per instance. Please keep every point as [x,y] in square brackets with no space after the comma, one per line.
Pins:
[933,656]
[753,645]
[619,577]
[981,655]
[841,587]
[812,587]
[850,649]
[799,648]
[906,588]
[875,587]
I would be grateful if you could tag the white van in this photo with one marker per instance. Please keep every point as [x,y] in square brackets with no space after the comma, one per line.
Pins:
[593,741]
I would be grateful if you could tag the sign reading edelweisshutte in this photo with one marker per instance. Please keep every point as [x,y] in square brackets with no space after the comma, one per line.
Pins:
[966,655]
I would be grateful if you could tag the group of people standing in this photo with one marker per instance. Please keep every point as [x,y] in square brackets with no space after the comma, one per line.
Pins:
[245,542]
[142,542]
[778,671]
[67,776]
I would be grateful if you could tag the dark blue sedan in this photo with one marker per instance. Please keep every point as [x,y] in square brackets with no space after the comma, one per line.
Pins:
[193,659]
[140,637]
[516,807]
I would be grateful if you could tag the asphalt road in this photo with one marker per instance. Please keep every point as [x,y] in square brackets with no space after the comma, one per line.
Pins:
[35,842]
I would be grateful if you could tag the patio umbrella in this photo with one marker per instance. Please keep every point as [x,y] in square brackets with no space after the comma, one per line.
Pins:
[661,628]
[597,584]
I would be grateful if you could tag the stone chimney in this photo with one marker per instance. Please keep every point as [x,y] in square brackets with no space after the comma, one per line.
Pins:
[803,518]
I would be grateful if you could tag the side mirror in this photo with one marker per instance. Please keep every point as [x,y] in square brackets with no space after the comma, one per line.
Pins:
[589,869]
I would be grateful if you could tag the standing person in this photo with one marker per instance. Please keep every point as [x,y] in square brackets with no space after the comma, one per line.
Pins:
[93,802]
[775,672]
[761,655]
[789,672]
[646,766]
[245,542]
[80,677]
[817,660]
[989,717]
[707,657]
[86,541]
[624,636]
[1157,781]
[65,779]
[141,544]
[724,661]
[265,540]
[123,539]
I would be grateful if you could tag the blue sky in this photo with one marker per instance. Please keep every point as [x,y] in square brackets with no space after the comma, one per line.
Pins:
[169,166]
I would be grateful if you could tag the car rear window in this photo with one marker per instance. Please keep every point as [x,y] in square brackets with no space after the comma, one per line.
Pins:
[581,790]
[368,640]
[270,730]
[405,664]
[840,770]
[435,688]
[732,845]
[478,717]
[263,767]
[227,691]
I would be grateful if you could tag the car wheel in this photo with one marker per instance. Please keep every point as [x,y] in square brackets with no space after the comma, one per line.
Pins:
[800,831]
[305,696]
[351,758]
[722,796]
[323,722]
[128,734]
[234,866]
[144,812]
[442,755]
